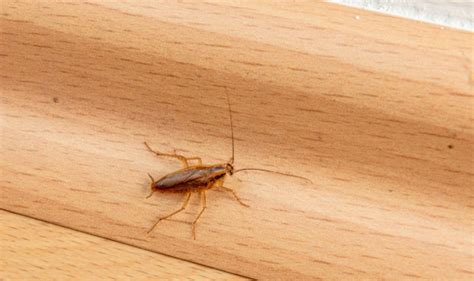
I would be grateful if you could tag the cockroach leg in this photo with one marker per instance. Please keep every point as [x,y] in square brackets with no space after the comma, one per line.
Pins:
[235,195]
[185,204]
[181,158]
[195,158]
[174,155]
[203,198]
[188,158]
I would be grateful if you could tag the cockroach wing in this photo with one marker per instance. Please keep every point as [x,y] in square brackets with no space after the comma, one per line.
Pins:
[191,177]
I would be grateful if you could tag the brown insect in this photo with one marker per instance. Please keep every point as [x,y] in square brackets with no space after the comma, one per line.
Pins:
[199,178]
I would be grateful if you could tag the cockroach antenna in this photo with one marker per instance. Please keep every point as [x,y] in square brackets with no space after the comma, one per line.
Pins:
[231,126]
[275,172]
[252,169]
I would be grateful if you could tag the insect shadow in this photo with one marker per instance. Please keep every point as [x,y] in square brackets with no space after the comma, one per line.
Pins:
[199,178]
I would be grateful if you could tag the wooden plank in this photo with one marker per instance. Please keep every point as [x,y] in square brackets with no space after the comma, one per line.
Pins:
[35,250]
[376,110]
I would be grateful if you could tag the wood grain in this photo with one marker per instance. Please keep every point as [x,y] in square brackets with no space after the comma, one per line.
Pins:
[35,250]
[376,110]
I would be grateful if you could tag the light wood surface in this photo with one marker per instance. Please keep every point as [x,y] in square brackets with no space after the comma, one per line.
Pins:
[375,110]
[35,250]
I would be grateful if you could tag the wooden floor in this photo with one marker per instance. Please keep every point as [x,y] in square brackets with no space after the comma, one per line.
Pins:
[376,111]
[35,250]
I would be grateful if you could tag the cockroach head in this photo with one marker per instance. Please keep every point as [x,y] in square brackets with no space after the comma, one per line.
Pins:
[229,168]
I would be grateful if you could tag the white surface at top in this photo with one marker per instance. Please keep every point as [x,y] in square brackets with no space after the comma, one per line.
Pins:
[456,14]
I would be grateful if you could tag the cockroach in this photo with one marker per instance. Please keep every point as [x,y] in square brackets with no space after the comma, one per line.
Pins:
[199,178]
